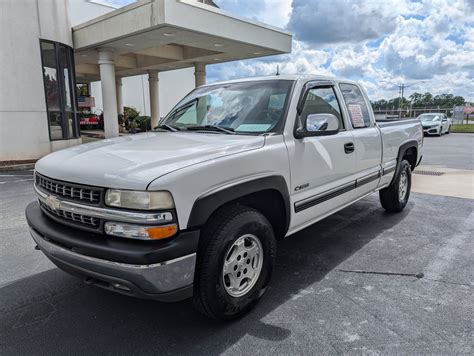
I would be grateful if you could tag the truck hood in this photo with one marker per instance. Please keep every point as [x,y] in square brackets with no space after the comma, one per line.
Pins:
[132,162]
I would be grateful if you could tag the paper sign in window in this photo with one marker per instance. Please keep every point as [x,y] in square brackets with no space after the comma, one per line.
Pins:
[357,118]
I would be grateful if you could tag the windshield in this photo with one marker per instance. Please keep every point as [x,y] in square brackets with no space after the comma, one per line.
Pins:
[245,107]
[429,117]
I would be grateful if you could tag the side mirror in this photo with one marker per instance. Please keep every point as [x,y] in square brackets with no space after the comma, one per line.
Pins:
[318,125]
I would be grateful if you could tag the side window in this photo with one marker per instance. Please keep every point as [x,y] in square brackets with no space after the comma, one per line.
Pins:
[188,115]
[321,100]
[355,103]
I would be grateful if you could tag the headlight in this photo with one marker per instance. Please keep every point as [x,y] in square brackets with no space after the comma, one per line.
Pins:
[140,200]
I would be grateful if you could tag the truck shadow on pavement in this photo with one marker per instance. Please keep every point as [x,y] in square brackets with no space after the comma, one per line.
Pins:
[53,313]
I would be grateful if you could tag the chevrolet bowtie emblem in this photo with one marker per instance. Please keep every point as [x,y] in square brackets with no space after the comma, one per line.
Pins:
[53,202]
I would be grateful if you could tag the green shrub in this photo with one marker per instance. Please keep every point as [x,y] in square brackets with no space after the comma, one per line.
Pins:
[143,122]
[130,113]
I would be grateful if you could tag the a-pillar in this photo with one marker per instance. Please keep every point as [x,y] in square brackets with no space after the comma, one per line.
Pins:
[154,97]
[199,74]
[109,92]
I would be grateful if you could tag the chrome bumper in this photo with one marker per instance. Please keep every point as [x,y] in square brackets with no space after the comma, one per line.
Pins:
[166,281]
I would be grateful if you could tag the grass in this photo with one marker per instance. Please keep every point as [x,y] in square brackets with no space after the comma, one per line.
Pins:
[464,128]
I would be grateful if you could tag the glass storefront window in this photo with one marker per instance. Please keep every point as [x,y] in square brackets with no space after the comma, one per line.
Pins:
[59,81]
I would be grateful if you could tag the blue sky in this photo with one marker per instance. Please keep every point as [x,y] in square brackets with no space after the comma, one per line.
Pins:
[400,41]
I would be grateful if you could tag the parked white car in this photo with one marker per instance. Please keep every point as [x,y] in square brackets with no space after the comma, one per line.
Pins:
[435,123]
[194,209]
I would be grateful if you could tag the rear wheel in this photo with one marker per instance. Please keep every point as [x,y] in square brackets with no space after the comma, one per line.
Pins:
[235,261]
[395,197]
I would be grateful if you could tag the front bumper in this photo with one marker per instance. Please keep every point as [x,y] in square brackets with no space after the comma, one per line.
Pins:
[431,130]
[162,271]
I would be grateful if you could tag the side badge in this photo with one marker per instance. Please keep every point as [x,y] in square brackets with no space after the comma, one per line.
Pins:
[302,186]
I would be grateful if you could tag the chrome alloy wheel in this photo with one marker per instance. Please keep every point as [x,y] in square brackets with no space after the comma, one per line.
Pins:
[242,265]
[403,185]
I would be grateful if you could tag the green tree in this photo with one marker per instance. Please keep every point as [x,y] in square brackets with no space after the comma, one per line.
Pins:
[427,99]
[416,99]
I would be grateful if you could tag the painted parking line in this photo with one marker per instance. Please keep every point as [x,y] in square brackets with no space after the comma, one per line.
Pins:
[17,181]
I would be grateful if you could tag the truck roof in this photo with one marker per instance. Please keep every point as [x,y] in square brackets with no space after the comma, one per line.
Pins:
[296,77]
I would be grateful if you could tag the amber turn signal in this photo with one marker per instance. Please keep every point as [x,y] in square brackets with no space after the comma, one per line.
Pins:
[161,232]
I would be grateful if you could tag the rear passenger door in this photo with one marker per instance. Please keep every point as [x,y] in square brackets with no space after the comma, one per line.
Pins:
[367,140]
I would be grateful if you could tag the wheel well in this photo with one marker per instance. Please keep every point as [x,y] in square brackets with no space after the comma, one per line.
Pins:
[411,155]
[269,195]
[270,203]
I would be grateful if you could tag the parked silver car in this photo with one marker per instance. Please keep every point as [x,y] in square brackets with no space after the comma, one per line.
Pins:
[435,123]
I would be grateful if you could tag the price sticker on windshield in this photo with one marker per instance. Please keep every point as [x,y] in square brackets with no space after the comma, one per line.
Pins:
[357,118]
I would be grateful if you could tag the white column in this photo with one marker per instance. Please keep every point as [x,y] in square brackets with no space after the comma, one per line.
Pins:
[118,85]
[199,74]
[109,92]
[154,97]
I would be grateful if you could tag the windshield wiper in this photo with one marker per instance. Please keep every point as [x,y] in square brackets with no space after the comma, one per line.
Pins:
[227,130]
[167,127]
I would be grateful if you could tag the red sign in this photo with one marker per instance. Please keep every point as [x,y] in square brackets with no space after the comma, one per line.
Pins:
[89,121]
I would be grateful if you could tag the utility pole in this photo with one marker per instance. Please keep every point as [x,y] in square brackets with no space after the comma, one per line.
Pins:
[401,91]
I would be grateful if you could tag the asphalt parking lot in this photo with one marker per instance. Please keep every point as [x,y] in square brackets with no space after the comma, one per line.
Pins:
[360,281]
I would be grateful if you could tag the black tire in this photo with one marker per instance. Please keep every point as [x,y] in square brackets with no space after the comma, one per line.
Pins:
[221,231]
[449,130]
[390,197]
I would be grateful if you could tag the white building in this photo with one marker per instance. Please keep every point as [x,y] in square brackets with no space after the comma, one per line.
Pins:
[148,54]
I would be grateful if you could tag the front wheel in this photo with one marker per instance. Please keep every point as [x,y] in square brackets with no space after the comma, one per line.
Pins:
[235,261]
[395,197]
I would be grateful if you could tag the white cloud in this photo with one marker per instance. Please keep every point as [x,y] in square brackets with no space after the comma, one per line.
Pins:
[323,22]
[400,41]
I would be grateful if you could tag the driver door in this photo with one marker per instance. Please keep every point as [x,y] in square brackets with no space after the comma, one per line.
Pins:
[322,167]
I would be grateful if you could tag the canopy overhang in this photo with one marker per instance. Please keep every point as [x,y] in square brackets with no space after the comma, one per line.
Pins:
[163,35]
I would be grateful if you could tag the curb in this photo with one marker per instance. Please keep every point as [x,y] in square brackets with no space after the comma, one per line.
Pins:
[17,167]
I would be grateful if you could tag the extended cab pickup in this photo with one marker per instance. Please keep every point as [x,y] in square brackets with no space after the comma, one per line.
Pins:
[195,207]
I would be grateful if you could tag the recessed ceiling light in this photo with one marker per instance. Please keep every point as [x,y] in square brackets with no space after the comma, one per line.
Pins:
[130,44]
[217,59]
[168,34]
[170,66]
[218,45]
[84,55]
[257,52]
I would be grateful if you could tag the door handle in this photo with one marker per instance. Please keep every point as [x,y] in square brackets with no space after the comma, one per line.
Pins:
[349,147]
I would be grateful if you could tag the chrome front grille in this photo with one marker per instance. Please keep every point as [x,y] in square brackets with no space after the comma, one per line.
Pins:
[73,217]
[86,194]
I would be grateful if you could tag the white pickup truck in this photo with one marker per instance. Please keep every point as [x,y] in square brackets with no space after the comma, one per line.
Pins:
[195,207]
